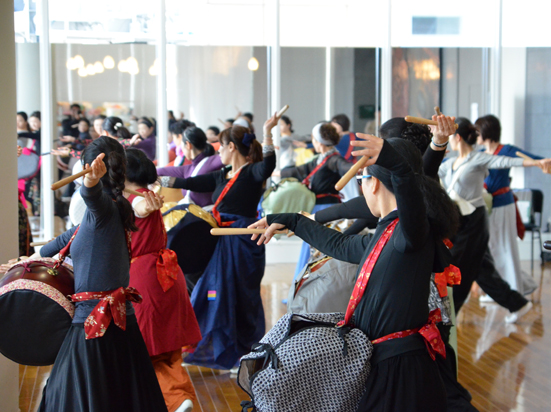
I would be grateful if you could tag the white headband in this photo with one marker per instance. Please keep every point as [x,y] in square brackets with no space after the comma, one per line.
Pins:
[317,135]
[241,122]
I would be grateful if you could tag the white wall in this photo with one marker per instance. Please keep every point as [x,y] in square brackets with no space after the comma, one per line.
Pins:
[28,71]
[9,371]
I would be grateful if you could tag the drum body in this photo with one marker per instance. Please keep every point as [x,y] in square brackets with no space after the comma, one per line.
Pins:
[35,312]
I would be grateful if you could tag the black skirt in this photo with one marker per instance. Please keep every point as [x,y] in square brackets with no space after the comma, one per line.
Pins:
[111,373]
[409,382]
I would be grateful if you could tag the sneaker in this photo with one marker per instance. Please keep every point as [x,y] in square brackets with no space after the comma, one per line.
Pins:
[514,316]
[486,299]
[186,406]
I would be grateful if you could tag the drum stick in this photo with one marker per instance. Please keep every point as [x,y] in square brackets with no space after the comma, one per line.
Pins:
[133,192]
[243,231]
[351,173]
[34,244]
[522,155]
[437,110]
[420,120]
[221,121]
[282,111]
[70,179]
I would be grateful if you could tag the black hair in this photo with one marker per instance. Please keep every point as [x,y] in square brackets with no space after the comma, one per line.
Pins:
[342,120]
[489,128]
[198,139]
[230,120]
[115,127]
[35,114]
[149,123]
[249,116]
[76,105]
[23,115]
[236,134]
[215,129]
[113,180]
[419,134]
[100,116]
[84,119]
[442,212]
[288,122]
[180,126]
[139,169]
[466,130]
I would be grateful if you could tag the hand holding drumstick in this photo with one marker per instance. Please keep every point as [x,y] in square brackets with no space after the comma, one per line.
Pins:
[97,171]
[442,131]
[270,230]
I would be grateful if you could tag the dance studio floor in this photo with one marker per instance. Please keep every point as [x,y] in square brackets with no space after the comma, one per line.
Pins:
[505,367]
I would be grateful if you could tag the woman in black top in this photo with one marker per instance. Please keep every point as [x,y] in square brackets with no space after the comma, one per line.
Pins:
[226,298]
[320,175]
[403,375]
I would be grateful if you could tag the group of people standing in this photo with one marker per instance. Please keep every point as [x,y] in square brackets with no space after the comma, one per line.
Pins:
[121,356]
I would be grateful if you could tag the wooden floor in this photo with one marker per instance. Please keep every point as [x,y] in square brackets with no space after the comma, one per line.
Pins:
[505,367]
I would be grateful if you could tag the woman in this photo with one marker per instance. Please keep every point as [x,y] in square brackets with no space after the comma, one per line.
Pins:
[103,364]
[165,316]
[415,216]
[97,126]
[203,160]
[227,298]
[320,175]
[341,122]
[34,121]
[503,220]
[25,235]
[146,140]
[288,142]
[463,177]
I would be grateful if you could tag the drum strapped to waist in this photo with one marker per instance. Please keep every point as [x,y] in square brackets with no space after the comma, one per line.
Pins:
[35,313]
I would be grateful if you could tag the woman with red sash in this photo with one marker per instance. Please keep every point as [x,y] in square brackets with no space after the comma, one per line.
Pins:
[165,316]
[103,364]
[390,297]
[320,175]
[226,299]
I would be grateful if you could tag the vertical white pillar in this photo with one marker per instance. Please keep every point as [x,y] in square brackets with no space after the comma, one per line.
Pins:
[275,74]
[386,70]
[48,121]
[9,371]
[162,116]
[328,83]
[377,88]
[495,74]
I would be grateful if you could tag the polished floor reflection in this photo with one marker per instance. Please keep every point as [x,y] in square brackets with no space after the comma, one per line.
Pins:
[505,367]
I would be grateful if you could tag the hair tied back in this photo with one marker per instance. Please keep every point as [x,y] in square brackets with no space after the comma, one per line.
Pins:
[117,125]
[248,139]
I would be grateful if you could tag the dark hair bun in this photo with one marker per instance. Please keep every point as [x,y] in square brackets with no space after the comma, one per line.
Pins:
[329,133]
[466,130]
[139,169]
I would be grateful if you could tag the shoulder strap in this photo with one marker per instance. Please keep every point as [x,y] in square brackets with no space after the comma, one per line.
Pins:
[198,167]
[308,178]
[65,251]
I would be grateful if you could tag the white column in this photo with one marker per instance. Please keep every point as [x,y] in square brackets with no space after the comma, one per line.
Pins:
[328,83]
[28,68]
[495,73]
[9,371]
[275,74]
[386,71]
[162,116]
[47,119]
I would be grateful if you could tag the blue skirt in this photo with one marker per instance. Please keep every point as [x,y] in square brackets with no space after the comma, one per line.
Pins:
[304,256]
[227,300]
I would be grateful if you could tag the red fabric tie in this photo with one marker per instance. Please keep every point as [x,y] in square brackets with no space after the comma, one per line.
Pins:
[365,273]
[112,305]
[308,179]
[449,277]
[429,332]
[167,268]
[215,211]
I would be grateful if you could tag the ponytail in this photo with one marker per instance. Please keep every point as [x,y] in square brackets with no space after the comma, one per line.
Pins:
[466,130]
[209,150]
[115,127]
[117,173]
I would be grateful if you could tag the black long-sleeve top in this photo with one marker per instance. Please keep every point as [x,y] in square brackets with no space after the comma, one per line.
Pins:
[357,208]
[398,290]
[242,199]
[324,180]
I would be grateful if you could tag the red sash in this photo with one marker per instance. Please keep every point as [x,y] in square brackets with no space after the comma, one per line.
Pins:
[430,332]
[215,211]
[112,305]
[307,180]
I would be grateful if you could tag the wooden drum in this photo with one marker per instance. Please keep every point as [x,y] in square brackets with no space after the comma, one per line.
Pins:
[35,311]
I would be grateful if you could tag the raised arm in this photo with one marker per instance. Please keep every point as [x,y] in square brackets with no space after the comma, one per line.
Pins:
[353,209]
[433,156]
[202,183]
[298,172]
[99,203]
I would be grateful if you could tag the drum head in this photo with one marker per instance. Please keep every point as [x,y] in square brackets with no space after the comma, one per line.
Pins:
[33,327]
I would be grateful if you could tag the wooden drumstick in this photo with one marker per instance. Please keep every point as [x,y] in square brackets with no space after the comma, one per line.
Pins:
[133,192]
[221,121]
[70,179]
[522,155]
[351,173]
[420,120]
[243,231]
[282,111]
[34,244]
[437,110]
